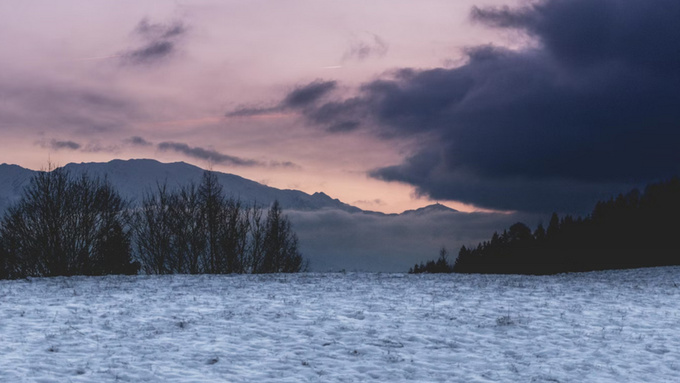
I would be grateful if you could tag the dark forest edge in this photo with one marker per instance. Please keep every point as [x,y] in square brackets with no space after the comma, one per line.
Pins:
[630,231]
[65,226]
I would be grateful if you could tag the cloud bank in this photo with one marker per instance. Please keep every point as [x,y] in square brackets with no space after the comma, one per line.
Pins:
[334,240]
[586,110]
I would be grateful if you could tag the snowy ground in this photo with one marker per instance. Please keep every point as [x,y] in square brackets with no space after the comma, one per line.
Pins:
[621,326]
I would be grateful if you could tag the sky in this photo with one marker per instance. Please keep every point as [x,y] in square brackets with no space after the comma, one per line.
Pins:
[491,105]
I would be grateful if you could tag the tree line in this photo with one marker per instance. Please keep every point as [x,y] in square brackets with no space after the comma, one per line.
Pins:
[637,229]
[65,225]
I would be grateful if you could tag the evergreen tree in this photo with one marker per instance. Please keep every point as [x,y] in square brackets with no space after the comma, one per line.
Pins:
[632,230]
[280,250]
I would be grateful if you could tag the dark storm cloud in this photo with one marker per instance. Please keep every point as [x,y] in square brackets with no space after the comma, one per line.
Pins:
[636,32]
[344,126]
[137,141]
[589,109]
[361,50]
[206,154]
[159,42]
[70,145]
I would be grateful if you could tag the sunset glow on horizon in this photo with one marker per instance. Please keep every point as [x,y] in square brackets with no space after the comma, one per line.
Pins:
[482,105]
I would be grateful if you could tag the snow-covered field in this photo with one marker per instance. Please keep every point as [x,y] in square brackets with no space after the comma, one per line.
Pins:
[621,326]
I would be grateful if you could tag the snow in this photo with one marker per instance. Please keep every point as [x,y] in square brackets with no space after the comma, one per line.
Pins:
[617,326]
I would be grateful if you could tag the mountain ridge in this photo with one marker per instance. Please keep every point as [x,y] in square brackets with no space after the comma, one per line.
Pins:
[134,178]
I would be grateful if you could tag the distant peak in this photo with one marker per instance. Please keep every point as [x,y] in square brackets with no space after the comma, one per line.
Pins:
[436,207]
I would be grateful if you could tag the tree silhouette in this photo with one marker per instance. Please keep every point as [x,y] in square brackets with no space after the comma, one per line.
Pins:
[199,230]
[441,265]
[632,230]
[66,226]
[280,247]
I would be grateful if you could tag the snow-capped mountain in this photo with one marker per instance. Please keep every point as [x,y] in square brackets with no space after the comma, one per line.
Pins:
[333,235]
[13,179]
[134,178]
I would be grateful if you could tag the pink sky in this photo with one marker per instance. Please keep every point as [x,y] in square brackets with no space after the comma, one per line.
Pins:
[79,79]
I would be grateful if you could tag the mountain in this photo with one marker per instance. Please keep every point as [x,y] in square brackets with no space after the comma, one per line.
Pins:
[430,209]
[333,235]
[13,178]
[134,178]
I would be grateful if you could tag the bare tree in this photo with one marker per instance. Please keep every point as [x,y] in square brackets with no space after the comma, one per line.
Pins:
[198,230]
[212,209]
[65,226]
[153,234]
[188,231]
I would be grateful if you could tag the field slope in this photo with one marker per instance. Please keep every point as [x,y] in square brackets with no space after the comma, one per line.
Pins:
[617,326]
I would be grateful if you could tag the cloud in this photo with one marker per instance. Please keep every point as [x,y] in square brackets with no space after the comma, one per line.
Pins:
[159,41]
[343,126]
[305,100]
[284,164]
[206,154]
[307,94]
[93,146]
[69,145]
[151,52]
[335,240]
[38,103]
[374,202]
[97,147]
[637,33]
[366,48]
[253,111]
[160,31]
[137,141]
[588,109]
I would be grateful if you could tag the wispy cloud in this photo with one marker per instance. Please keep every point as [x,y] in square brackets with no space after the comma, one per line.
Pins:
[93,146]
[308,94]
[137,141]
[63,144]
[207,154]
[311,100]
[253,111]
[367,47]
[159,41]
[284,164]
[299,98]
[63,107]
